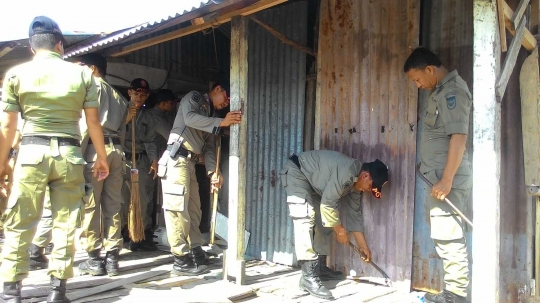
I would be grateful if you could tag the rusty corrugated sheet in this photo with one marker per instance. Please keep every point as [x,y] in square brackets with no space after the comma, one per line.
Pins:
[276,95]
[448,31]
[368,110]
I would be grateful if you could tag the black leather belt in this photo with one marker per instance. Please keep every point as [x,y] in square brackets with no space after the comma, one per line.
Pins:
[295,160]
[115,141]
[138,156]
[39,140]
[182,152]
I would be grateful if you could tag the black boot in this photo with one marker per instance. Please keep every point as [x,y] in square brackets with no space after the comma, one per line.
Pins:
[444,297]
[12,292]
[58,291]
[311,282]
[185,266]
[199,256]
[37,258]
[93,266]
[49,248]
[111,261]
[326,273]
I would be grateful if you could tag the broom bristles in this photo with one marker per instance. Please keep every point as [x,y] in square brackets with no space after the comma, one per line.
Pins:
[135,221]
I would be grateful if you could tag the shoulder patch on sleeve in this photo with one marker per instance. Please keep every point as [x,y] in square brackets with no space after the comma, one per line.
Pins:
[450,101]
[195,97]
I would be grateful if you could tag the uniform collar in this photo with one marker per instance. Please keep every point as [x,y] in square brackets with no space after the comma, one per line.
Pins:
[44,54]
[451,75]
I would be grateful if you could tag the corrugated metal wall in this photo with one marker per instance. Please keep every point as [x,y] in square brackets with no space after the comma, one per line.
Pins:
[276,90]
[192,56]
[447,30]
[368,110]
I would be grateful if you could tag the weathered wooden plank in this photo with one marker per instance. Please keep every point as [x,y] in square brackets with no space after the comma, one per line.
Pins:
[486,154]
[238,150]
[518,13]
[502,26]
[510,60]
[528,41]
[122,292]
[535,17]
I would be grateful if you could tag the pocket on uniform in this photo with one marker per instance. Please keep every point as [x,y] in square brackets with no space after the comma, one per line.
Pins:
[72,154]
[298,207]
[162,164]
[283,176]
[30,156]
[173,196]
[445,226]
[430,119]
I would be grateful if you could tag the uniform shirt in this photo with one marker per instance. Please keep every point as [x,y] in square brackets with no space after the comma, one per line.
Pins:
[447,113]
[112,108]
[145,140]
[163,125]
[50,94]
[332,175]
[196,123]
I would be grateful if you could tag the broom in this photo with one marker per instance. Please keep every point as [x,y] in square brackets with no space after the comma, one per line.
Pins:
[135,222]
[215,200]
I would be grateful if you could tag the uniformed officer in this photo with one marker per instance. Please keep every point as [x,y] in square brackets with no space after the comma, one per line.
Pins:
[145,155]
[444,162]
[192,134]
[320,185]
[102,223]
[50,94]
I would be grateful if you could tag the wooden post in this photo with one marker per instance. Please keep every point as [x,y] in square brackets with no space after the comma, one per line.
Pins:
[486,154]
[238,149]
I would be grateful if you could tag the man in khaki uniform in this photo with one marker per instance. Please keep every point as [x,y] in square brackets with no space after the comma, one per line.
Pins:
[50,94]
[102,224]
[192,134]
[320,185]
[444,162]
[145,156]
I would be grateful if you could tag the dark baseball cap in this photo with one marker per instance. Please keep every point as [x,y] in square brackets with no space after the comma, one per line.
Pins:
[165,95]
[139,84]
[94,59]
[379,174]
[44,25]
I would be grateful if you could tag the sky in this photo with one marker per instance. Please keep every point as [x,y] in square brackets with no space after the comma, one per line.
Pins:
[93,16]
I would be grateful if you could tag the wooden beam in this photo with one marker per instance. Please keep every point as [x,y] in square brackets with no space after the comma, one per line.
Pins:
[502,27]
[510,60]
[216,19]
[197,21]
[6,50]
[238,150]
[283,38]
[528,41]
[518,13]
[535,17]
[486,133]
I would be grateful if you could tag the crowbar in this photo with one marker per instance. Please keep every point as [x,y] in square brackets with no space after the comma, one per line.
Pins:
[215,196]
[445,198]
[386,277]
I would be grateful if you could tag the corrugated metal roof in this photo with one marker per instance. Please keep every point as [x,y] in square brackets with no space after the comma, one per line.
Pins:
[184,8]
[367,110]
[276,96]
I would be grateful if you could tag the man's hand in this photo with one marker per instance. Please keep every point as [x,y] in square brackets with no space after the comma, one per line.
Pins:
[216,181]
[154,167]
[441,189]
[132,111]
[365,249]
[341,234]
[234,117]
[100,169]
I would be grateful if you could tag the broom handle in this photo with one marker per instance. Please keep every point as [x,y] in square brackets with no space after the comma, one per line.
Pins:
[215,200]
[133,157]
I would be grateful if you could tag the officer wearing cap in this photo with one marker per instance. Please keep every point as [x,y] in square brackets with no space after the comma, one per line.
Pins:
[102,224]
[445,163]
[50,94]
[145,155]
[192,134]
[320,185]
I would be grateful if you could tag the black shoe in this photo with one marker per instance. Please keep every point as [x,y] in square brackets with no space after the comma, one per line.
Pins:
[199,256]
[58,291]
[125,234]
[444,297]
[184,266]
[12,292]
[311,282]
[49,248]
[143,246]
[37,258]
[93,266]
[111,262]
[326,273]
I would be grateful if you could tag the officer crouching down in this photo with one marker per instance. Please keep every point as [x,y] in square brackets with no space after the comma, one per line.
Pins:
[316,182]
